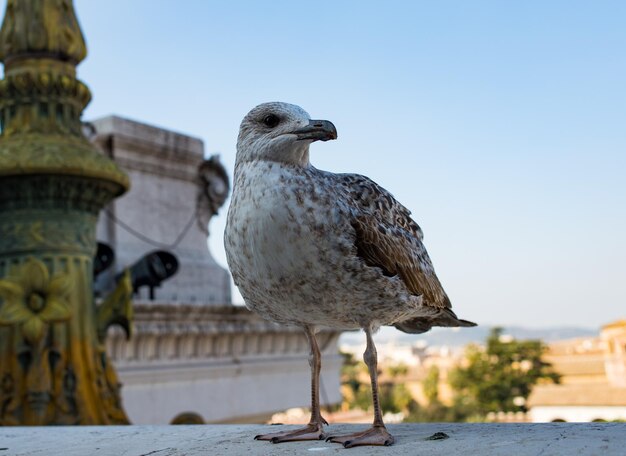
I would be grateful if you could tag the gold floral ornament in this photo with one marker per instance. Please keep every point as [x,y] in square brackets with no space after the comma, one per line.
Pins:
[33,300]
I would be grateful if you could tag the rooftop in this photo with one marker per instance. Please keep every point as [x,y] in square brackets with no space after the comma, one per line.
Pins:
[578,395]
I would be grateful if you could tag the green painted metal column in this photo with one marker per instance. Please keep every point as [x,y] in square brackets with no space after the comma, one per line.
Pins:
[53,183]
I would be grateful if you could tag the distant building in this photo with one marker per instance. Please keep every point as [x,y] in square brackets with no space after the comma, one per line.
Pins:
[614,338]
[193,356]
[593,382]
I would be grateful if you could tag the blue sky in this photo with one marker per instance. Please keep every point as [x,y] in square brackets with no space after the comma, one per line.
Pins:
[500,125]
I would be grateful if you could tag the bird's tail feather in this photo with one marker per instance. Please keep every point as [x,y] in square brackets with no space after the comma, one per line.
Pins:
[418,325]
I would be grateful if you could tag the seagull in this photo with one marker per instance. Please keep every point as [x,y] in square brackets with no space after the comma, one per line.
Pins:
[316,249]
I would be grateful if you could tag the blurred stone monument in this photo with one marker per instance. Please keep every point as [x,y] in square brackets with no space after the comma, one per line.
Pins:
[174,193]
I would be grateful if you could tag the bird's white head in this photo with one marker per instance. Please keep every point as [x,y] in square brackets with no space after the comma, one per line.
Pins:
[280,132]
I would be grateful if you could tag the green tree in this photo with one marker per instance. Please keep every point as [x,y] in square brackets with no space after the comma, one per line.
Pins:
[351,373]
[398,370]
[395,397]
[430,385]
[434,411]
[497,377]
[500,377]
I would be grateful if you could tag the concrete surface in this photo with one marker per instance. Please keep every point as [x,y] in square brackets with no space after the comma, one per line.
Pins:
[603,439]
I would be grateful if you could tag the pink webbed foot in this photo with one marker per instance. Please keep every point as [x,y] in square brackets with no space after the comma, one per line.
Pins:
[376,435]
[312,431]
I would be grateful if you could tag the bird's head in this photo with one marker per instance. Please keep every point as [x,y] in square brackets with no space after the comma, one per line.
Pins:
[280,132]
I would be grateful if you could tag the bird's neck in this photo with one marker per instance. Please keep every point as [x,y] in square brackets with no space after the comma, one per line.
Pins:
[298,157]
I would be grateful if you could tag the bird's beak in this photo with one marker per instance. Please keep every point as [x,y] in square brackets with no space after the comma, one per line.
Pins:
[317,130]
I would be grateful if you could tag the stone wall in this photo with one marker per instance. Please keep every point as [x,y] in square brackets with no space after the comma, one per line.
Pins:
[222,363]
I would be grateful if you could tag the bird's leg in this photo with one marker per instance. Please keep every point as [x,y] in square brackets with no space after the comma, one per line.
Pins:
[315,361]
[314,430]
[377,434]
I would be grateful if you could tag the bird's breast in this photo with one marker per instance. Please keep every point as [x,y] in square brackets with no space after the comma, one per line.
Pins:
[281,229]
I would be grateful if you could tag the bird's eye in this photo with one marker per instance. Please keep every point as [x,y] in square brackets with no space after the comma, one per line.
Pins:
[271,120]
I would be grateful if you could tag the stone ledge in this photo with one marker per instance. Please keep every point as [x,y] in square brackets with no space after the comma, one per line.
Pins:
[411,439]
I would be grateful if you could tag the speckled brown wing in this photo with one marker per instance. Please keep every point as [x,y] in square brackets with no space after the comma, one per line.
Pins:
[388,238]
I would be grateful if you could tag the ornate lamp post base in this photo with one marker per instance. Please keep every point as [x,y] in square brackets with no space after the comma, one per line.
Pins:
[53,183]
